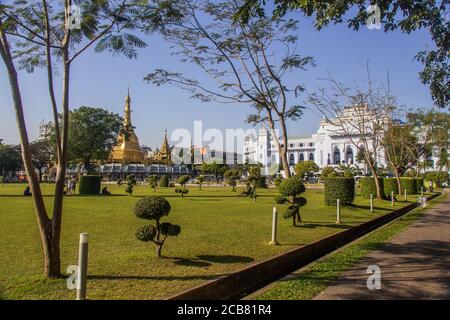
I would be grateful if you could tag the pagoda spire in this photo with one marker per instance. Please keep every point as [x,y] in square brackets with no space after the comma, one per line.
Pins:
[127,117]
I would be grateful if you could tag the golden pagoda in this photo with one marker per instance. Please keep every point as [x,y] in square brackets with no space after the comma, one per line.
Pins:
[128,150]
[163,155]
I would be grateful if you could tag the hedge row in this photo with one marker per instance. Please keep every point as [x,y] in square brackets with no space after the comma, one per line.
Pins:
[419,184]
[369,187]
[389,185]
[90,184]
[339,188]
[408,184]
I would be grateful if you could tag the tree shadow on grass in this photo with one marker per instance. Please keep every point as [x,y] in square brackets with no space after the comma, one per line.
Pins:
[191,263]
[225,258]
[156,277]
[328,225]
[367,208]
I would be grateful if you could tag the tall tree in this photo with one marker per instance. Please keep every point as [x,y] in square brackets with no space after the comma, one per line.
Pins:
[245,62]
[50,34]
[357,114]
[431,129]
[93,134]
[9,159]
[404,15]
[42,155]
[397,141]
[304,168]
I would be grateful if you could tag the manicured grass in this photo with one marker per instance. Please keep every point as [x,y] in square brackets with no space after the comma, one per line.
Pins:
[315,279]
[220,233]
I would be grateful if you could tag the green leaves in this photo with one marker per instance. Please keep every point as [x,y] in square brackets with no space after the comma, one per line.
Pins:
[125,44]
[146,233]
[292,187]
[168,229]
[152,208]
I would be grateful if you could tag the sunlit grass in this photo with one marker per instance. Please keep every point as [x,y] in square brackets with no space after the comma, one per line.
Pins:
[220,232]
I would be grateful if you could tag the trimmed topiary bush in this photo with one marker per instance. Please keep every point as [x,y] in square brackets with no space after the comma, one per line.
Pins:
[342,188]
[280,199]
[277,181]
[164,182]
[129,189]
[154,208]
[131,179]
[290,189]
[390,184]
[368,186]
[261,182]
[90,184]
[419,184]
[408,184]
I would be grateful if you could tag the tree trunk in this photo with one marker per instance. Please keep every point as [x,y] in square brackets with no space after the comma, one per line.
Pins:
[377,183]
[158,250]
[40,174]
[283,153]
[397,177]
[299,218]
[51,257]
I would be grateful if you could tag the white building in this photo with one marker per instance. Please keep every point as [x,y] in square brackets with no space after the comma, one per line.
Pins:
[332,144]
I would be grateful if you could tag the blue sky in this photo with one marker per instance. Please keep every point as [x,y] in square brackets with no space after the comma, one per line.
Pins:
[102,80]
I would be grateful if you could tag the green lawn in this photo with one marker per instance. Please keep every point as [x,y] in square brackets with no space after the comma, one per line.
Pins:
[220,233]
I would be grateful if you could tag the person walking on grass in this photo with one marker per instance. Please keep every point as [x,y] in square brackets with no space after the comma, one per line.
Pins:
[74,185]
[69,185]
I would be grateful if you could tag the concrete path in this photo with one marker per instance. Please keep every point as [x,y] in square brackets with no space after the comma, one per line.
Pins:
[415,264]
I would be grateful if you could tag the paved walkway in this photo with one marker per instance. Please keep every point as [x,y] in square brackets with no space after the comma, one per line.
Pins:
[414,264]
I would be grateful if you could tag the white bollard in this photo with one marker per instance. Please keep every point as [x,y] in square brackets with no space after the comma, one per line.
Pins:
[274,227]
[421,191]
[405,194]
[82,266]
[423,202]
[371,202]
[338,211]
[392,198]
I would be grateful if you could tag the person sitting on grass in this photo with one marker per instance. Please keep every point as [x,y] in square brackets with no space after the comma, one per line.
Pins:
[105,191]
[389,198]
[27,192]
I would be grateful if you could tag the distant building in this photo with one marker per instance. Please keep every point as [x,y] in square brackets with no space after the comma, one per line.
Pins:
[329,146]
[44,129]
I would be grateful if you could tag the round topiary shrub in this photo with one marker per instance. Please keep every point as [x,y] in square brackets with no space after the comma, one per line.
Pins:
[341,188]
[408,184]
[389,185]
[369,187]
[152,208]
[419,184]
[290,189]
[90,184]
[164,182]
[146,233]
